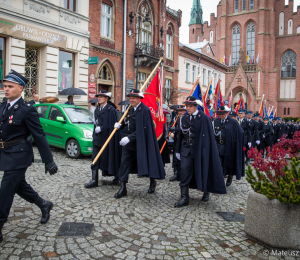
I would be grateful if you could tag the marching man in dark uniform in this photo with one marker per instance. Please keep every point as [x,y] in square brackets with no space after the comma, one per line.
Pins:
[19,120]
[266,135]
[253,134]
[277,131]
[140,152]
[105,117]
[230,143]
[196,148]
[176,163]
[245,126]
[259,127]
[289,129]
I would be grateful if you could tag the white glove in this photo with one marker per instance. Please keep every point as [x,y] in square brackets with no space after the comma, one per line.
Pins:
[98,129]
[117,125]
[178,156]
[278,140]
[249,144]
[124,141]
[264,136]
[257,142]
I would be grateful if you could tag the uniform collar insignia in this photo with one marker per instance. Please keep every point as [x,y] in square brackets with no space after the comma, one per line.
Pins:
[16,106]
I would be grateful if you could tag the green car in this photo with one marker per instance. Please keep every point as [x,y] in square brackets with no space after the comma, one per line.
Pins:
[68,127]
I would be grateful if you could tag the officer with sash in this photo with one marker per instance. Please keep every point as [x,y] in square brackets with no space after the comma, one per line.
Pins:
[19,121]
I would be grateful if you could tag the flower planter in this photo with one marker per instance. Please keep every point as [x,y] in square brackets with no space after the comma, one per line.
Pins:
[273,223]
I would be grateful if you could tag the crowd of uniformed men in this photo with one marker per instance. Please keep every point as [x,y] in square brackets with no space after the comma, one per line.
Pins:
[205,150]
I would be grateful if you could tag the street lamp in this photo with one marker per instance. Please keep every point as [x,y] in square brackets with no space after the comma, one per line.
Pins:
[147,23]
[250,76]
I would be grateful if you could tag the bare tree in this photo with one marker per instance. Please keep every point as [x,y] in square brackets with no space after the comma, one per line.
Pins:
[170,95]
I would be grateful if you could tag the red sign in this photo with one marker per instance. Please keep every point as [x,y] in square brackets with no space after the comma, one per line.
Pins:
[92,90]
[91,95]
[92,85]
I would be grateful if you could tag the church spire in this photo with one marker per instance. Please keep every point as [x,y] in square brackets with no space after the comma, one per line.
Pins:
[196,13]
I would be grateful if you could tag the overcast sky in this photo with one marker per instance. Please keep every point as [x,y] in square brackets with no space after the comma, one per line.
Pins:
[208,6]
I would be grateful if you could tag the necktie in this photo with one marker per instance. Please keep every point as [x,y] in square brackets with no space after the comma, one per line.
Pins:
[6,108]
[192,119]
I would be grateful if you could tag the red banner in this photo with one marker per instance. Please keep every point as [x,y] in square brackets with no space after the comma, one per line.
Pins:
[153,100]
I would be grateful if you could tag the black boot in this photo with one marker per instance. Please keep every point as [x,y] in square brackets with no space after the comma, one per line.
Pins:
[1,226]
[152,186]
[94,182]
[175,177]
[115,181]
[205,197]
[229,180]
[122,191]
[184,197]
[45,207]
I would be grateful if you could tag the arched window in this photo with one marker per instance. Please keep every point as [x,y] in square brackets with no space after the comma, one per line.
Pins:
[298,29]
[236,5]
[290,26]
[281,25]
[288,64]
[105,73]
[251,42]
[235,44]
[146,32]
[169,43]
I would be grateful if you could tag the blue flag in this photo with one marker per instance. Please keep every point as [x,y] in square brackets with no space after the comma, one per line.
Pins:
[197,94]
[271,115]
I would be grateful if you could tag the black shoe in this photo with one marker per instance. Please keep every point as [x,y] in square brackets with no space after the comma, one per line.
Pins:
[94,182]
[152,186]
[175,177]
[1,226]
[122,191]
[205,197]
[46,207]
[184,197]
[229,180]
[115,181]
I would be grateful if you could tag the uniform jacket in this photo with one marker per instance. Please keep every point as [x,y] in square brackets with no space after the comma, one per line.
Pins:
[21,121]
[110,159]
[234,144]
[245,127]
[253,131]
[266,133]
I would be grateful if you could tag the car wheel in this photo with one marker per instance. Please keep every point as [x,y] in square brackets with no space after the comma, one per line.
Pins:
[73,149]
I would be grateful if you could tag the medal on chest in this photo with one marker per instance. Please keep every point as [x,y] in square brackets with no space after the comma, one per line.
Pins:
[10,119]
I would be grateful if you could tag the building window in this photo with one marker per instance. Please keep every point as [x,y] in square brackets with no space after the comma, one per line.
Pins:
[141,79]
[208,77]
[288,64]
[146,32]
[2,61]
[168,88]
[250,43]
[244,5]
[236,5]
[215,79]
[251,5]
[194,74]
[187,72]
[105,73]
[281,23]
[235,44]
[65,70]
[290,26]
[211,37]
[204,77]
[288,111]
[284,111]
[70,4]
[106,20]
[169,46]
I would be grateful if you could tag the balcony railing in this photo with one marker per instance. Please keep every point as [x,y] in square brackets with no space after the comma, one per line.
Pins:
[149,50]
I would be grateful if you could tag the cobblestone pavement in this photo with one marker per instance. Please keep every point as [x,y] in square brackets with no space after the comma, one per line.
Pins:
[139,226]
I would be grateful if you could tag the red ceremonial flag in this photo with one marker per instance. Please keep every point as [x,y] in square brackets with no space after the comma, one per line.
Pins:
[153,100]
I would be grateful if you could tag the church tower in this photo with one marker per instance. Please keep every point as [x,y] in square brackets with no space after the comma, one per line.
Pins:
[196,22]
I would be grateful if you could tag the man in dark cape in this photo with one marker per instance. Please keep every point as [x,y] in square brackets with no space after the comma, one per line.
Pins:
[230,142]
[109,162]
[140,152]
[175,130]
[165,155]
[196,148]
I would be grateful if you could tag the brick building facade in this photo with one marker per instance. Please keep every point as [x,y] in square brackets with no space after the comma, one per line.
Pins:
[107,43]
[259,41]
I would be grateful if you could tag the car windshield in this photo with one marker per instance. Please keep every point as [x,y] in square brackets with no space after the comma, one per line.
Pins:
[79,115]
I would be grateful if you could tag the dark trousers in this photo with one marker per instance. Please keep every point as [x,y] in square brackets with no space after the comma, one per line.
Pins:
[264,144]
[222,158]
[97,165]
[129,158]
[187,170]
[13,182]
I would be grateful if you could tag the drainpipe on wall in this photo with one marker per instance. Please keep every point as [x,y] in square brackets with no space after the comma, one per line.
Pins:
[124,53]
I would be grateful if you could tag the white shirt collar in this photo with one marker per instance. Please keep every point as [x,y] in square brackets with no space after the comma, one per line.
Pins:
[136,106]
[104,106]
[196,112]
[13,102]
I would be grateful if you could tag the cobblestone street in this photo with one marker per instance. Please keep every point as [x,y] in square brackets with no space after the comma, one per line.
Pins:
[139,226]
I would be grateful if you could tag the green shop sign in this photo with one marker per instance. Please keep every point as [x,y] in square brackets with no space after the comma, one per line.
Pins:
[93,60]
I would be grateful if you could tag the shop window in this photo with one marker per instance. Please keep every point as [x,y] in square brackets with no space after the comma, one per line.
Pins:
[2,61]
[65,70]
[70,4]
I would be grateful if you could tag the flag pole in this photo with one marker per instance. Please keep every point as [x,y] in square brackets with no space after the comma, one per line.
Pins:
[192,90]
[126,112]
[261,103]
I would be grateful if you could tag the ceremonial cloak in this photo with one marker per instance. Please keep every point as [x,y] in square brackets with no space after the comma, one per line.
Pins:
[110,159]
[207,166]
[165,155]
[149,161]
[234,161]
